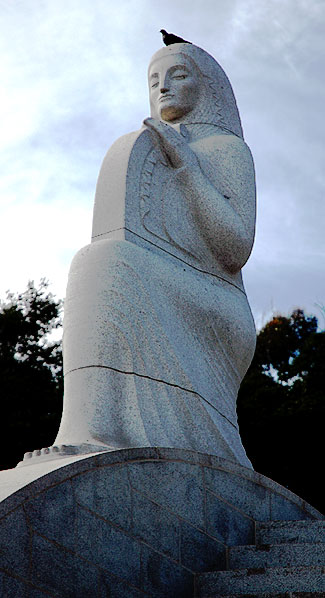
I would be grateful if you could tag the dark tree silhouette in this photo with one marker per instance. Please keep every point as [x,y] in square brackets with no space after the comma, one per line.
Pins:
[281,405]
[30,372]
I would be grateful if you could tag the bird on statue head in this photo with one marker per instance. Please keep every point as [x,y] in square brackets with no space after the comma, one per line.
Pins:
[170,38]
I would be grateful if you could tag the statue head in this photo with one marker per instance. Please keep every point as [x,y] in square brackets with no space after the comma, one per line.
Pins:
[187,85]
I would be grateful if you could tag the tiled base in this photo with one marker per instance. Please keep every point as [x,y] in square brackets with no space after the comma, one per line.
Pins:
[130,523]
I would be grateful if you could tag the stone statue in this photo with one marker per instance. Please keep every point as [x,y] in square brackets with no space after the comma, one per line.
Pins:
[158,333]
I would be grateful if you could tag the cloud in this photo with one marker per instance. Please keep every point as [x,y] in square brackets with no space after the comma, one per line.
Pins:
[73,79]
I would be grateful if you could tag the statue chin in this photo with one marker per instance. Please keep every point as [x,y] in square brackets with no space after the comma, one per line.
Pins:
[172,113]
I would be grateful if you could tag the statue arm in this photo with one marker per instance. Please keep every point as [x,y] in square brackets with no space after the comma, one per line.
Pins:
[226,219]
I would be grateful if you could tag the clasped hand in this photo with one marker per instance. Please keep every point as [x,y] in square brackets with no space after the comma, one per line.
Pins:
[172,145]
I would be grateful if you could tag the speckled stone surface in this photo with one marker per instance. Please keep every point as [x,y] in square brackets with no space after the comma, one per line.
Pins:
[131,523]
[288,560]
[256,582]
[158,333]
[268,555]
[284,531]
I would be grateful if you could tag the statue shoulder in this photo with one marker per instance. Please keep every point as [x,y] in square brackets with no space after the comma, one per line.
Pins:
[223,154]
[228,144]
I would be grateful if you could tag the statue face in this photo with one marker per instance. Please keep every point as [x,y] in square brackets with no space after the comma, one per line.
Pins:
[174,87]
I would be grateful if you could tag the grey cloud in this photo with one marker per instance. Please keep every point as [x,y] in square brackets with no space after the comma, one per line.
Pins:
[86,65]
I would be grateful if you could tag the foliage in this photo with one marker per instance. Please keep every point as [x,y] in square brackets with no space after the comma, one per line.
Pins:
[281,404]
[30,372]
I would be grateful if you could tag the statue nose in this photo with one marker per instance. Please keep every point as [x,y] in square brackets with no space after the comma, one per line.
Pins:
[164,89]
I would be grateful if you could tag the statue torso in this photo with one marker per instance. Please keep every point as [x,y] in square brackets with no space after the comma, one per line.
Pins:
[145,198]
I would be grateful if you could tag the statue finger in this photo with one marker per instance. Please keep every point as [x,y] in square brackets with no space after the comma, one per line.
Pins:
[166,133]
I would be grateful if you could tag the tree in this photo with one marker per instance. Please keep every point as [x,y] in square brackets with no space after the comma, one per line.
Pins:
[30,372]
[281,404]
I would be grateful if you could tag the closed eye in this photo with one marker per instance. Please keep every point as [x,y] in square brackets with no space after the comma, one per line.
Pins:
[155,84]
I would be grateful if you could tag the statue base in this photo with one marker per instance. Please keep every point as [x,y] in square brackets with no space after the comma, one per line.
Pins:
[150,522]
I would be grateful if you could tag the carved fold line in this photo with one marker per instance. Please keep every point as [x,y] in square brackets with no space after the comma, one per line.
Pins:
[125,296]
[113,230]
[172,254]
[156,359]
[184,262]
[106,367]
[130,294]
[133,337]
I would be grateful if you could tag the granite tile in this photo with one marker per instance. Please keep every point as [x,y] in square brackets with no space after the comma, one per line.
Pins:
[18,588]
[61,572]
[258,582]
[108,547]
[199,552]
[14,588]
[155,525]
[162,578]
[178,486]
[15,543]
[13,501]
[283,509]
[52,514]
[121,456]
[112,587]
[227,524]
[284,555]
[291,532]
[107,492]
[248,496]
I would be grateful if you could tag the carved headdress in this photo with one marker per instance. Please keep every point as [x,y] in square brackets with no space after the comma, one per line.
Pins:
[217,104]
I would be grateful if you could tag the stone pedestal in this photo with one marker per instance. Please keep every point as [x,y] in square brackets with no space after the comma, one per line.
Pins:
[133,523]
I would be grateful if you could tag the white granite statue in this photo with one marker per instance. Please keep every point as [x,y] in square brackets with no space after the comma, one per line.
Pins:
[158,333]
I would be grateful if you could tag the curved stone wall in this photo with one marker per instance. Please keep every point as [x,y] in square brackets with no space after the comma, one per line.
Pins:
[130,523]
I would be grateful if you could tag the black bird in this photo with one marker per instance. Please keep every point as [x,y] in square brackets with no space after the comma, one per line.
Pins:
[170,38]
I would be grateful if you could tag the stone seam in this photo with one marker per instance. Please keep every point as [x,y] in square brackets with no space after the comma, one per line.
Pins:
[230,467]
[235,508]
[63,548]
[200,529]
[178,516]
[157,455]
[27,582]
[168,253]
[29,496]
[107,367]
[140,540]
[130,535]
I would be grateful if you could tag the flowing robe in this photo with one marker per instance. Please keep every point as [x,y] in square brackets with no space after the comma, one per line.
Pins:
[158,333]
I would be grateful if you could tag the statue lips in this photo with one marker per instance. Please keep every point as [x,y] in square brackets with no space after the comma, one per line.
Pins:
[165,97]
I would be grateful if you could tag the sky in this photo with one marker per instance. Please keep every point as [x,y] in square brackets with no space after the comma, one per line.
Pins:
[73,80]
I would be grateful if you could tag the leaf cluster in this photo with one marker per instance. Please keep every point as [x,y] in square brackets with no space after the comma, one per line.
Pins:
[30,371]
